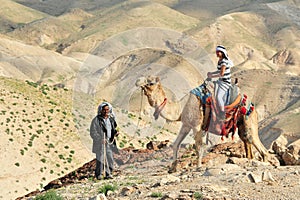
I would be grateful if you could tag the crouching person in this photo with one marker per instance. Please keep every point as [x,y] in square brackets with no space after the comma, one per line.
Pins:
[103,132]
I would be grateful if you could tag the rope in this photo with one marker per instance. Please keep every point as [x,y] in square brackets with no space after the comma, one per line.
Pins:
[140,114]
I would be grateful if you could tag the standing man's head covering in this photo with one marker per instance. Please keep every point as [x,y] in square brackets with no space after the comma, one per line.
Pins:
[103,104]
[223,50]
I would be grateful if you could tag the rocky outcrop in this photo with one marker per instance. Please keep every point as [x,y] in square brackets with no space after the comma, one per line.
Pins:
[288,155]
[283,57]
[292,154]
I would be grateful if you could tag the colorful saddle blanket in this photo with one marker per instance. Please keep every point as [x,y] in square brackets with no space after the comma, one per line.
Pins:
[202,92]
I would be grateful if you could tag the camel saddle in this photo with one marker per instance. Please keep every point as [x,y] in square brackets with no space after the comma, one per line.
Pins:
[214,122]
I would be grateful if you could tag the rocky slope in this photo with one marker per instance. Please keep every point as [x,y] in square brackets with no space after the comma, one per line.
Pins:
[142,174]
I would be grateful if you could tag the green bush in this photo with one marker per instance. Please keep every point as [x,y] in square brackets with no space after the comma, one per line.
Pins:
[32,83]
[50,195]
[105,188]
[198,195]
[121,145]
[156,194]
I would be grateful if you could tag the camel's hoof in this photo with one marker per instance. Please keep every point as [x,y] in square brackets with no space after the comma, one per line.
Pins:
[173,167]
[170,171]
[198,169]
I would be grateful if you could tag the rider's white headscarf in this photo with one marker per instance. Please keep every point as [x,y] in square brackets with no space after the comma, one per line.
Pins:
[109,106]
[223,50]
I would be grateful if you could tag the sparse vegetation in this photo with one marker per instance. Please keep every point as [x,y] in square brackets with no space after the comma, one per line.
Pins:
[107,187]
[49,195]
[198,195]
[156,194]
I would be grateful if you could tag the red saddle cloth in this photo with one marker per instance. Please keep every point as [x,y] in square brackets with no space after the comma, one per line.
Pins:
[218,123]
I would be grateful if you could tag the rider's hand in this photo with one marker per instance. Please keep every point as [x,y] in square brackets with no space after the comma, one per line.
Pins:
[208,79]
[209,75]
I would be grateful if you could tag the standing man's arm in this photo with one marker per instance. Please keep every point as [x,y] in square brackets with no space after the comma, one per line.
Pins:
[94,130]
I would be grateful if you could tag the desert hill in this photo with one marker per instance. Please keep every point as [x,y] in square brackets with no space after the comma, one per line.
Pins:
[26,62]
[60,59]
[56,7]
[36,122]
[82,36]
[14,15]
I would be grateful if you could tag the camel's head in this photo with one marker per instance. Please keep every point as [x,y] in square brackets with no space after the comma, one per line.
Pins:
[151,87]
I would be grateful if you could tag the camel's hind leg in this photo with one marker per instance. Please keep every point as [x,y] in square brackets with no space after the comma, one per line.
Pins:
[182,134]
[261,149]
[248,150]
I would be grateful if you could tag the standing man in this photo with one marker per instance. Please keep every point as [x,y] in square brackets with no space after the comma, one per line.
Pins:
[103,132]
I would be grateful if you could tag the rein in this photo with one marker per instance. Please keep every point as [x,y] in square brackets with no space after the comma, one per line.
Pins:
[159,108]
[140,114]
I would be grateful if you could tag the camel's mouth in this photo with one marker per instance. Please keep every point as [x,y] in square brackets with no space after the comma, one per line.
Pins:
[140,82]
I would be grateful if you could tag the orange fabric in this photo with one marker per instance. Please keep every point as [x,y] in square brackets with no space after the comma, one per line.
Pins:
[235,103]
[217,127]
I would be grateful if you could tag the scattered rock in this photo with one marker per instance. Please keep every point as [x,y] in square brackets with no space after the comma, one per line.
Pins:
[169,179]
[230,178]
[254,177]
[291,156]
[126,191]
[267,176]
[99,197]
[279,145]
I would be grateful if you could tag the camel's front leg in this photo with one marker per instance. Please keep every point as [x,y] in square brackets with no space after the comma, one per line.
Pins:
[199,146]
[182,134]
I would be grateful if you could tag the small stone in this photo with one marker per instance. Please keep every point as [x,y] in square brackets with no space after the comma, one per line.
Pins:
[212,172]
[126,191]
[254,178]
[99,197]
[169,179]
[267,176]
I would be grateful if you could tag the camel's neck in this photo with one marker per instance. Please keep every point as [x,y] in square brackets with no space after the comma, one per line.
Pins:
[171,111]
[164,106]
[156,97]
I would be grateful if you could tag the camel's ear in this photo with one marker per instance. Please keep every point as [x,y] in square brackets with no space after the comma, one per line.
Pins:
[157,79]
[141,81]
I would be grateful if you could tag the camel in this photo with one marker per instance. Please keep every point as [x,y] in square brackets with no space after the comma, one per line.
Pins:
[192,118]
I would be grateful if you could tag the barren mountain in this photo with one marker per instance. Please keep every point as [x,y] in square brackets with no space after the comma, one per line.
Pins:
[60,59]
[13,15]
[26,62]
